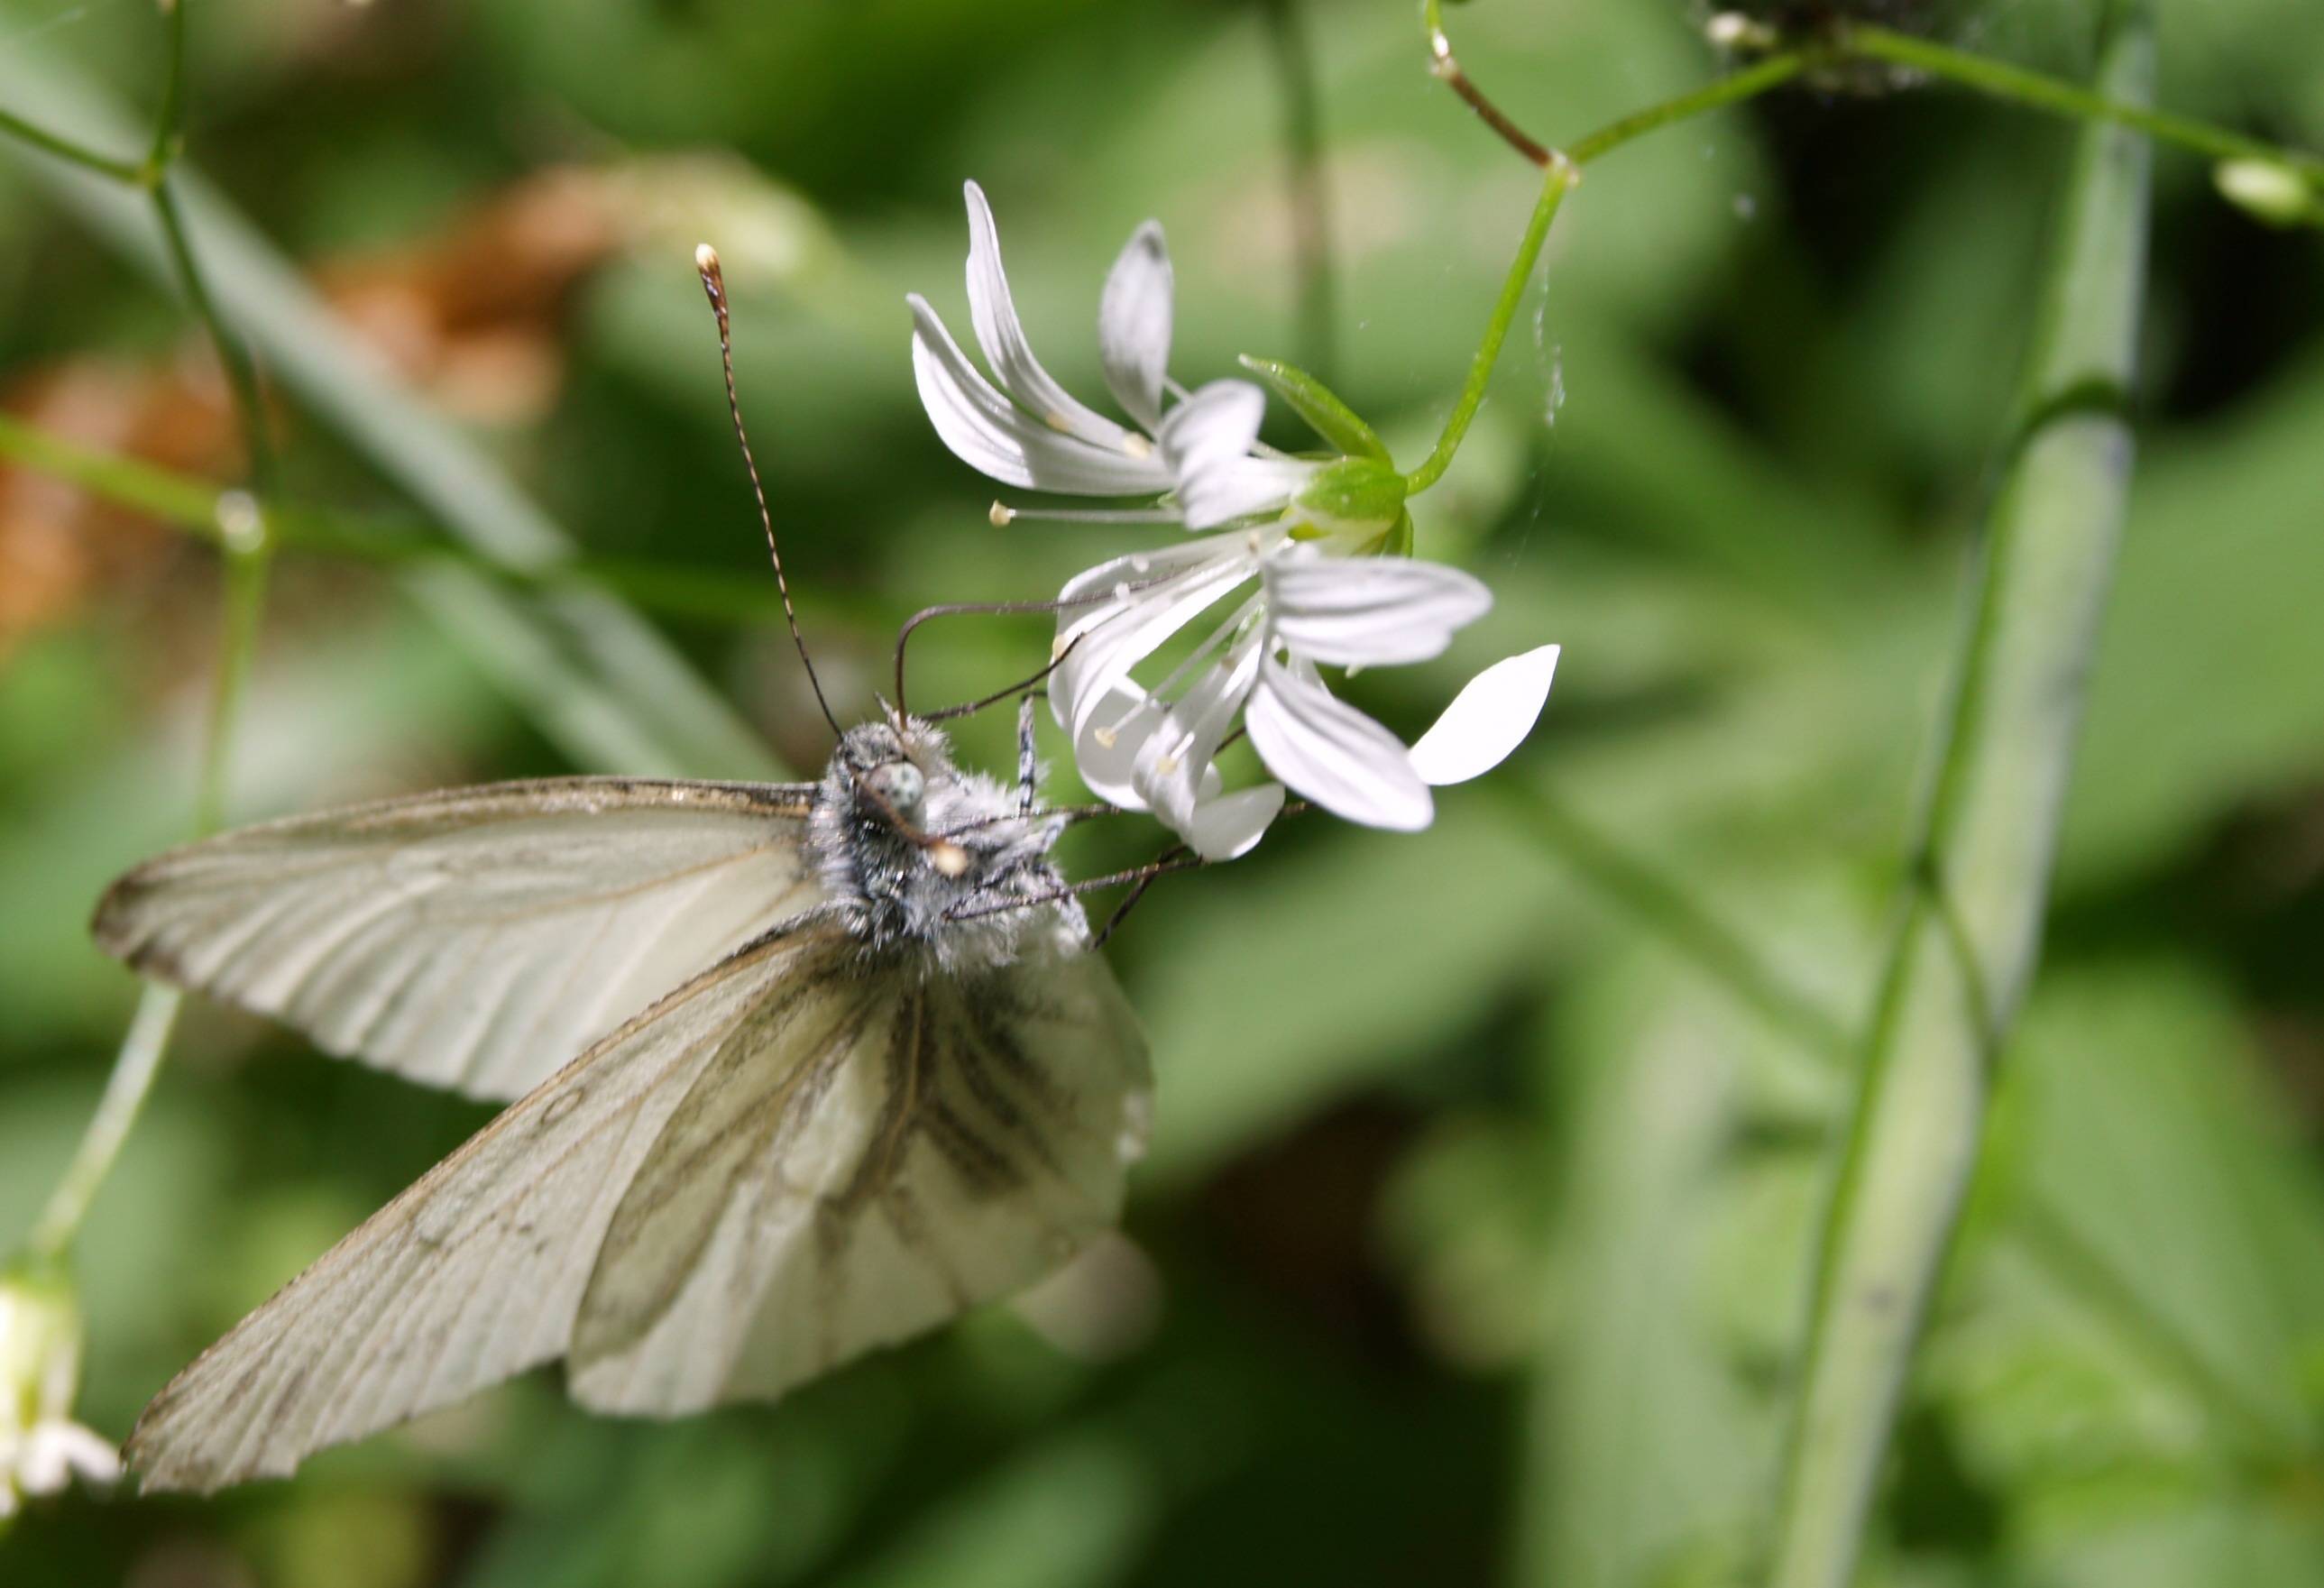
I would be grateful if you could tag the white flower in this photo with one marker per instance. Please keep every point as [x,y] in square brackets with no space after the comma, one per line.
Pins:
[46,1456]
[1023,429]
[1305,531]
[1154,750]
[40,1447]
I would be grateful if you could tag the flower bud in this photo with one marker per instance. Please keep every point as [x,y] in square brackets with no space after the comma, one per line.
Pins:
[2266,189]
[40,1370]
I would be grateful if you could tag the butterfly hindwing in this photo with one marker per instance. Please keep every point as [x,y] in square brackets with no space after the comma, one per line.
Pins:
[477,938]
[866,1163]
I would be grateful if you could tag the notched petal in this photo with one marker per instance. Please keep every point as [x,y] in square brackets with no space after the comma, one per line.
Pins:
[1134,324]
[989,433]
[993,310]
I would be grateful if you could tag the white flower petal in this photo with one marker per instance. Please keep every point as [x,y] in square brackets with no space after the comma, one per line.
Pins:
[53,1452]
[1206,443]
[1216,424]
[1229,825]
[1133,325]
[1243,488]
[1098,598]
[1106,755]
[1174,772]
[1105,752]
[1487,720]
[1333,753]
[989,433]
[1139,568]
[1002,336]
[1125,633]
[1173,762]
[1370,611]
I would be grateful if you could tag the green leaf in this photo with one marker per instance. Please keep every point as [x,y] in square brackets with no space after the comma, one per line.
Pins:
[1320,406]
[1645,1445]
[2154,1146]
[2149,1429]
[1072,1512]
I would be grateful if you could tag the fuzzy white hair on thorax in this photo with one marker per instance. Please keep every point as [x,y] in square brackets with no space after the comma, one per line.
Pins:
[885,882]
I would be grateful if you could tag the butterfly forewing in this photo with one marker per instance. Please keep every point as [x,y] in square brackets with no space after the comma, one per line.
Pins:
[477,938]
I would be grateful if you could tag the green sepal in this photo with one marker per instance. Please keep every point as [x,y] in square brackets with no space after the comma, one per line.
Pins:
[1320,406]
[1353,494]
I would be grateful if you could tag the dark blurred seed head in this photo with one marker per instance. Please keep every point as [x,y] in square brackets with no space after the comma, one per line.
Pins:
[1800,19]
[1797,18]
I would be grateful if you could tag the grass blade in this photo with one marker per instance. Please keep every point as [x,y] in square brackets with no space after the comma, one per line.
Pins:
[1966,948]
[663,716]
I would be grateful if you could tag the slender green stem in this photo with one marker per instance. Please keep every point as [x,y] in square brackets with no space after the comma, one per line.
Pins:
[1565,171]
[1561,177]
[1447,69]
[170,118]
[127,482]
[1661,903]
[125,1089]
[1311,217]
[65,149]
[249,540]
[2000,80]
[1772,72]
[199,509]
[245,604]
[248,546]
[232,356]
[1970,935]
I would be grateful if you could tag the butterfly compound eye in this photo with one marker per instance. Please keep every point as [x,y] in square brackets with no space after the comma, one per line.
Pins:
[902,785]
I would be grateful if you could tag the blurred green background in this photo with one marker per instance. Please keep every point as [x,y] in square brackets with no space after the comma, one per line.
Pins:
[1474,1244]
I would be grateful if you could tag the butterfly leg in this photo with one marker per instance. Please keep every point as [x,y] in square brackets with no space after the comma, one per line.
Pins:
[1029,768]
[1169,860]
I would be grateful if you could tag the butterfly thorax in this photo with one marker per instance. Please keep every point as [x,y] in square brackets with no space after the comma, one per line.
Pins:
[926,862]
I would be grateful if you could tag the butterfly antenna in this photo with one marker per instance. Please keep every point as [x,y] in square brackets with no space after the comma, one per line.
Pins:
[1005,608]
[713,284]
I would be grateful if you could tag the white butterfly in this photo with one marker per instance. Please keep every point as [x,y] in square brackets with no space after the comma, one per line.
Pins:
[847,1068]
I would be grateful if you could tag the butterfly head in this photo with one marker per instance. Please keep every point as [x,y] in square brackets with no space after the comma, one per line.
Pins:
[925,858]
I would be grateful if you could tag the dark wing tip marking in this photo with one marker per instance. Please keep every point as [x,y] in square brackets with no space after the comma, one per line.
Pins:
[110,923]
